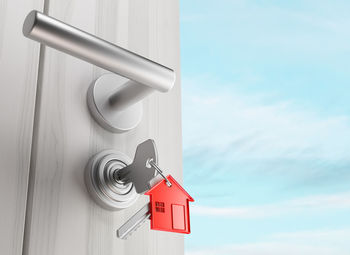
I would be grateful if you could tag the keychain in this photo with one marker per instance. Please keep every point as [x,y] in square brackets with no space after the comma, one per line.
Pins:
[168,208]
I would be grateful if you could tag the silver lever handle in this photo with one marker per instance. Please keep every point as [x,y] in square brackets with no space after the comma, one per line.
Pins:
[113,100]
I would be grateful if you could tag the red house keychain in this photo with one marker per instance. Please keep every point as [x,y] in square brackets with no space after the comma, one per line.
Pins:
[168,208]
[169,205]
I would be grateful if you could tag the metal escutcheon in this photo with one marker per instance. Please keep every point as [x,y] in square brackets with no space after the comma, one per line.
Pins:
[116,119]
[107,192]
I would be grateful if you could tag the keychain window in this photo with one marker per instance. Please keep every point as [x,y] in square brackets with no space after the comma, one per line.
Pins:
[160,207]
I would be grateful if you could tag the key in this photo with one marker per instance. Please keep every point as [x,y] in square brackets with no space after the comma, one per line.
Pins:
[134,222]
[138,173]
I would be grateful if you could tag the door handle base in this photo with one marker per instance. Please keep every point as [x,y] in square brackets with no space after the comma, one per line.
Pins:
[103,109]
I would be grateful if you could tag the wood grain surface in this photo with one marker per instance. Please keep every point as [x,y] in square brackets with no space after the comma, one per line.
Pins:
[62,219]
[19,60]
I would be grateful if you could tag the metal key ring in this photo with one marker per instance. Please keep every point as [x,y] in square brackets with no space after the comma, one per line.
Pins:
[151,162]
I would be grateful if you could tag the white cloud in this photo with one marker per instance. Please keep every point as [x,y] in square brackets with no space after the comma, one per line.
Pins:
[320,242]
[272,248]
[248,127]
[308,204]
[311,236]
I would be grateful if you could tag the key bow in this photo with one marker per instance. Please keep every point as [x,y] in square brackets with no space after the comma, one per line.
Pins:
[137,172]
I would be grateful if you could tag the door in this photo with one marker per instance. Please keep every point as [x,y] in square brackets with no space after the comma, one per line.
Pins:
[19,61]
[61,218]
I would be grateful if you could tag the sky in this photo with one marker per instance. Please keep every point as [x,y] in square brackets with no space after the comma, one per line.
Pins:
[266,126]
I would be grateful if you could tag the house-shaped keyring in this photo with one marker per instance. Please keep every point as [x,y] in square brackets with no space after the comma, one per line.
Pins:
[170,207]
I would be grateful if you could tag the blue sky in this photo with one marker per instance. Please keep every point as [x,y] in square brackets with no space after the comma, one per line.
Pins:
[266,126]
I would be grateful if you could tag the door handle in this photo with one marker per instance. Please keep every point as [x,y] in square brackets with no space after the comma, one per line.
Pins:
[114,100]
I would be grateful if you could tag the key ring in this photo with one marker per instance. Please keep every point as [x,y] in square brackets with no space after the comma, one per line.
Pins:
[155,166]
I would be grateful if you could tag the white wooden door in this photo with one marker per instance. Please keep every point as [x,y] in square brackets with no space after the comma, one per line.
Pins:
[19,60]
[60,217]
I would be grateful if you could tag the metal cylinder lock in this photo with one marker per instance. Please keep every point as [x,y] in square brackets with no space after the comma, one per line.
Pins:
[115,181]
[109,193]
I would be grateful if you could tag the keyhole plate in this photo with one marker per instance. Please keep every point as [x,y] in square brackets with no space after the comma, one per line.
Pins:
[104,190]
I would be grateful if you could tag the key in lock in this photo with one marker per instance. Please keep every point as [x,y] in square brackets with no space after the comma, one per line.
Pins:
[139,172]
[114,181]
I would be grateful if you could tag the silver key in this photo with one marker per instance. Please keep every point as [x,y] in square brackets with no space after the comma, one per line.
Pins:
[134,222]
[143,214]
[137,172]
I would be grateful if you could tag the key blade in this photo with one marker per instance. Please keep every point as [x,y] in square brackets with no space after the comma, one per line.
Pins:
[134,222]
